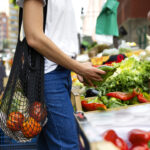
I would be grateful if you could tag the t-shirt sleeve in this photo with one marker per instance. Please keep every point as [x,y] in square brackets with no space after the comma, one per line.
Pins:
[20,2]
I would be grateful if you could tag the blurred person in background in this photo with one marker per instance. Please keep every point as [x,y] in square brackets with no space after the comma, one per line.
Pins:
[59,45]
[2,75]
[148,35]
[148,16]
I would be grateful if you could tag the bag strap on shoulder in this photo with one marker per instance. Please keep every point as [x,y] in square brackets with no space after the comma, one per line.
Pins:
[21,18]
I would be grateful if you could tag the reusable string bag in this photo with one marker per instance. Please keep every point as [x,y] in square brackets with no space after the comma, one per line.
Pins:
[22,109]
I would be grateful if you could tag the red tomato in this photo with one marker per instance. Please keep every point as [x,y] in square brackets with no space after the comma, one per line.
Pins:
[137,137]
[38,112]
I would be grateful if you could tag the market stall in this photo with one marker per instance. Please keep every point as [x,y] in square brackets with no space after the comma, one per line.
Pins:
[118,104]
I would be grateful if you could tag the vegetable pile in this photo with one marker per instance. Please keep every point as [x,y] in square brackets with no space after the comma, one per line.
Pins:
[125,83]
[130,74]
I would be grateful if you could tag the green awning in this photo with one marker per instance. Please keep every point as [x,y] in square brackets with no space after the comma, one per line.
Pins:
[107,20]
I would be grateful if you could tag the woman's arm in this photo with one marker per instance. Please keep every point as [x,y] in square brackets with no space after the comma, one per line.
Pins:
[33,27]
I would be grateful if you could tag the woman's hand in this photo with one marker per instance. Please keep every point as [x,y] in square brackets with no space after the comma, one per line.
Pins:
[89,73]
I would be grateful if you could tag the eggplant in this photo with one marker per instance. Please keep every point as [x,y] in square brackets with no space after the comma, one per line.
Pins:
[91,93]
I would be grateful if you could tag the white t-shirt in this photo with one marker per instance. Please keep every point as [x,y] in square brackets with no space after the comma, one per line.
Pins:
[60,28]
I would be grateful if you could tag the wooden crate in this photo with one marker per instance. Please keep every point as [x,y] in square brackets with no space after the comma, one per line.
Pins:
[76,102]
[5,81]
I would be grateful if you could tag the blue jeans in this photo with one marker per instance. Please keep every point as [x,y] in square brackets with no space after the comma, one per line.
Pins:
[60,133]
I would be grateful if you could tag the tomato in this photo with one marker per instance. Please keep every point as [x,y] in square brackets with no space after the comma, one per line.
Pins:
[38,112]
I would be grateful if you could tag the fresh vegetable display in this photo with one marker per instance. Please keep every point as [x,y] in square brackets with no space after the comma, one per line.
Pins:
[130,74]
[124,83]
[137,139]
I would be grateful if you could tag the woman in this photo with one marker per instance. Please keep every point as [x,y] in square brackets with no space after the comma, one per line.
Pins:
[58,45]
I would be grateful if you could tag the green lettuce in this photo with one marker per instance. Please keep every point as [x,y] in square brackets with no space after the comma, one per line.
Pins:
[130,74]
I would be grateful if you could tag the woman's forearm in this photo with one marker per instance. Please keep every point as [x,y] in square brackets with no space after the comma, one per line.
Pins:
[33,26]
[48,49]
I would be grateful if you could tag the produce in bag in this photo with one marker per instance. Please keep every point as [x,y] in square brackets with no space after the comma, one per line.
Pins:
[37,111]
[31,128]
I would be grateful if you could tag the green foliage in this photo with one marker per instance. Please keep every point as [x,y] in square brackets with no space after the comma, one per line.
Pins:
[130,74]
[13,1]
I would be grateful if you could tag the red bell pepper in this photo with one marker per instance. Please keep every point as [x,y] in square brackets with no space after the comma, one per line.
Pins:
[137,91]
[111,136]
[139,147]
[121,144]
[122,95]
[142,99]
[92,106]
[139,137]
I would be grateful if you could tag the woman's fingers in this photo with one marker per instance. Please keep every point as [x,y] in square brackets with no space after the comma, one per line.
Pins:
[89,82]
[99,71]
[80,78]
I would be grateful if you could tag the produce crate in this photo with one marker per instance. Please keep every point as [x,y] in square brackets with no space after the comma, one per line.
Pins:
[76,102]
[75,99]
[7,143]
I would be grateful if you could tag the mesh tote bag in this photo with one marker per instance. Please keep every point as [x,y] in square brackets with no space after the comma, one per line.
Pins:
[22,109]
